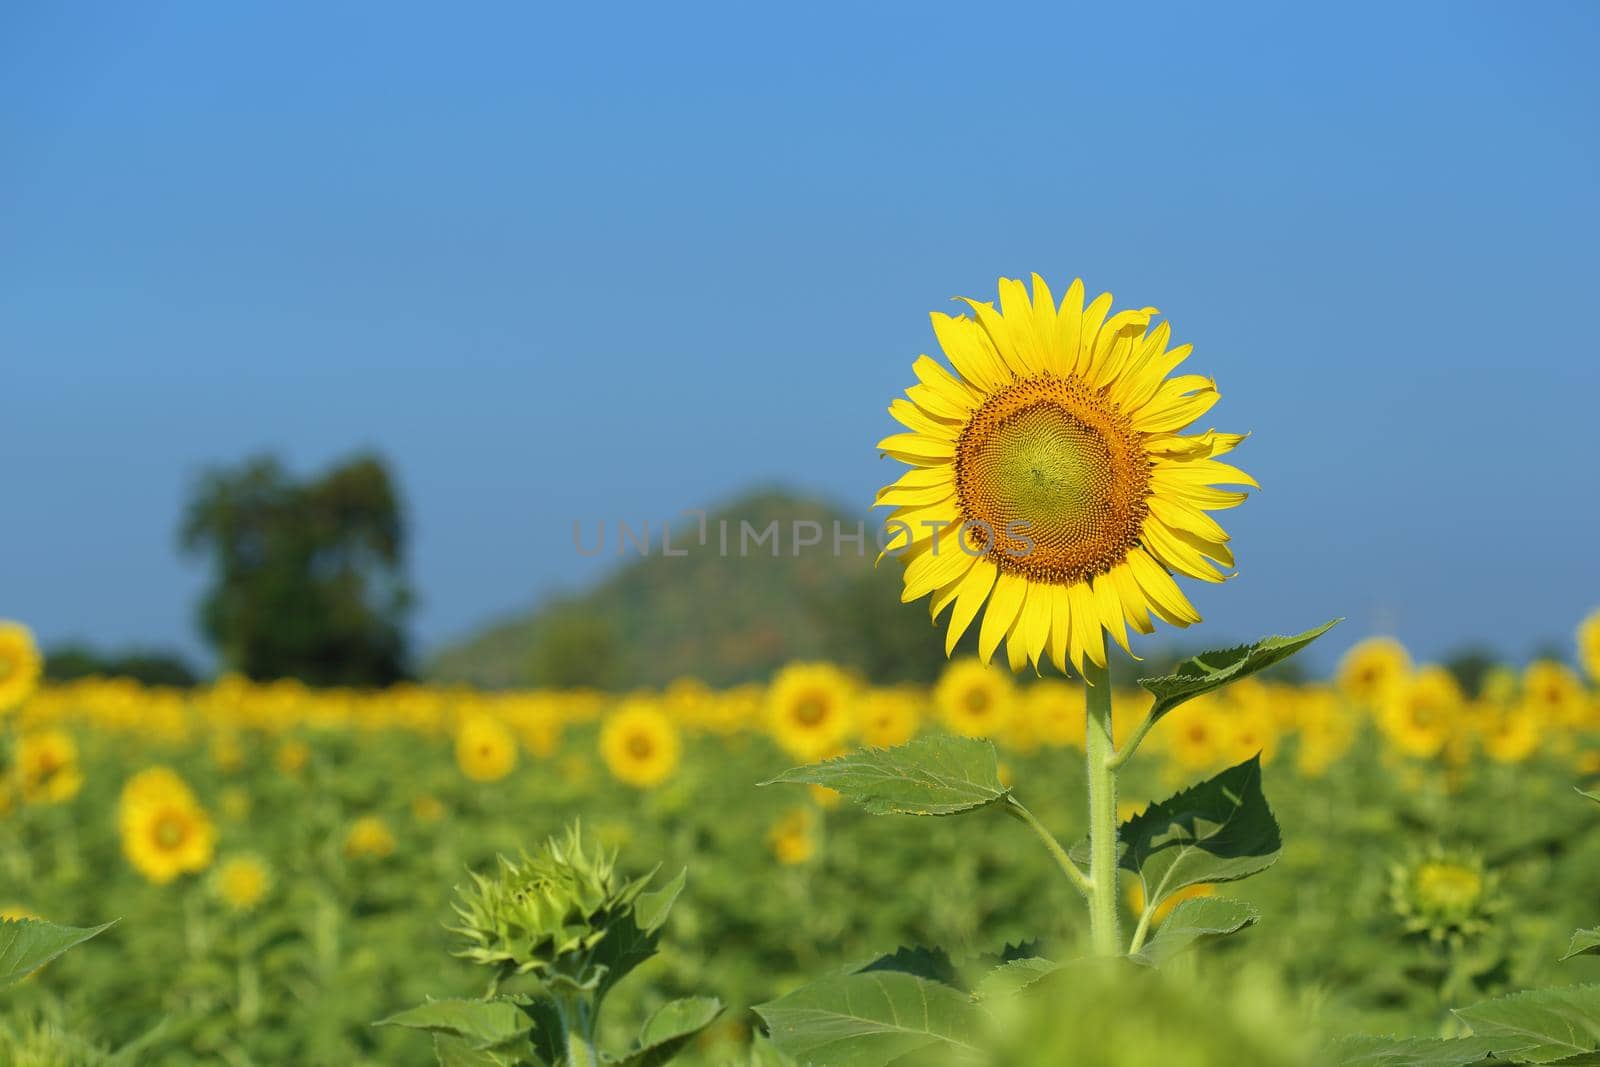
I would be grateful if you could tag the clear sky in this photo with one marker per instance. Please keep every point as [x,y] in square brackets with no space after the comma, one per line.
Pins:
[562,265]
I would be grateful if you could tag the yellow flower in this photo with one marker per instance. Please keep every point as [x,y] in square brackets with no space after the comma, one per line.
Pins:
[639,744]
[165,831]
[292,756]
[1193,737]
[1589,645]
[887,717]
[17,912]
[809,709]
[1051,480]
[1421,714]
[1554,692]
[242,882]
[1056,710]
[1510,735]
[793,839]
[47,767]
[486,750]
[369,836]
[1372,669]
[20,664]
[1135,899]
[1248,729]
[1326,729]
[974,700]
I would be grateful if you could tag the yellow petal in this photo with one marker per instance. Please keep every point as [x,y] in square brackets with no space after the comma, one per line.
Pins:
[1004,604]
[1161,592]
[970,351]
[969,598]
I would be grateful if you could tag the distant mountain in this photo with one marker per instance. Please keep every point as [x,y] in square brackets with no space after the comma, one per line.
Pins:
[722,617]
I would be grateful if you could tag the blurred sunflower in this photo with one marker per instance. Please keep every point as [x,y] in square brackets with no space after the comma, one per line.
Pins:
[1554,692]
[165,832]
[793,838]
[1194,738]
[1510,735]
[974,700]
[1422,713]
[47,768]
[1447,894]
[292,756]
[369,837]
[242,882]
[1372,669]
[1589,645]
[20,664]
[887,717]
[1051,480]
[1055,710]
[486,749]
[1325,730]
[1134,898]
[809,709]
[639,744]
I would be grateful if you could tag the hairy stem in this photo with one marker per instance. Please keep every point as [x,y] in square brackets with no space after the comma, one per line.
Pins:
[1079,880]
[1105,934]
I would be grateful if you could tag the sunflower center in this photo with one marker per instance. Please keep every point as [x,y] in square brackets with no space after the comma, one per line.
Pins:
[1053,479]
[810,711]
[640,747]
[171,831]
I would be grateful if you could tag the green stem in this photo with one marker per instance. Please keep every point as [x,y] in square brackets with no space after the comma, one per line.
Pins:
[1079,880]
[1105,934]
[577,1019]
[1131,745]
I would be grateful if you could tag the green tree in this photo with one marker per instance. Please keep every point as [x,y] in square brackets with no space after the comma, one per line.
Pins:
[307,577]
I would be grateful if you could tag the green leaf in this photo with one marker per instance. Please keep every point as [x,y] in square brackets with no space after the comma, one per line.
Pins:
[669,1028]
[1218,831]
[651,909]
[1192,921]
[934,775]
[482,1024]
[459,1052]
[1584,943]
[1213,670]
[874,1018]
[28,944]
[1364,1051]
[1592,796]
[1557,1023]
[1013,976]
[930,963]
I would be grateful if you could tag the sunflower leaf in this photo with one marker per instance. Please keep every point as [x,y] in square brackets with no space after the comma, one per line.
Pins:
[1367,1051]
[1193,921]
[669,1029]
[1584,943]
[1201,674]
[480,1024]
[28,944]
[1220,830]
[1556,1023]
[935,775]
[874,1018]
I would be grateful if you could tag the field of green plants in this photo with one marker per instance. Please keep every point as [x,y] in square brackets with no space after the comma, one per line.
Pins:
[293,874]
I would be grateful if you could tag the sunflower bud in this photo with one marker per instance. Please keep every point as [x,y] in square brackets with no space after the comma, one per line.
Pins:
[547,915]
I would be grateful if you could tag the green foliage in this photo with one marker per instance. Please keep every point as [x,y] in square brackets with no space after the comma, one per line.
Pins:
[934,775]
[28,944]
[558,930]
[1584,943]
[1218,831]
[574,649]
[1554,1023]
[1191,922]
[1209,671]
[306,576]
[65,663]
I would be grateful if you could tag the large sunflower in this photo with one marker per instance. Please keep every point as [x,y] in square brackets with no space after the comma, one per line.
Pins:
[1051,480]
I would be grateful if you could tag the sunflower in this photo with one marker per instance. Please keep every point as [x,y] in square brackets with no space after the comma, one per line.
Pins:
[1420,715]
[1589,645]
[166,833]
[793,838]
[242,882]
[1554,691]
[19,664]
[1051,480]
[640,744]
[1055,710]
[1447,894]
[809,709]
[1325,730]
[1372,669]
[973,699]
[486,749]
[369,837]
[47,767]
[887,717]
[1510,735]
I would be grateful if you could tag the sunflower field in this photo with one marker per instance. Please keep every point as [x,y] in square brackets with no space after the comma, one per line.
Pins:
[1392,867]
[282,862]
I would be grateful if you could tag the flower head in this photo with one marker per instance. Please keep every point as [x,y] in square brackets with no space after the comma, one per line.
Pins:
[486,749]
[1051,479]
[810,708]
[20,664]
[639,744]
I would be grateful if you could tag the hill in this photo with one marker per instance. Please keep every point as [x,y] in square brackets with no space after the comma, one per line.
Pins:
[722,618]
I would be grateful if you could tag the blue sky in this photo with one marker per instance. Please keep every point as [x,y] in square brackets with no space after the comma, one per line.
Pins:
[608,265]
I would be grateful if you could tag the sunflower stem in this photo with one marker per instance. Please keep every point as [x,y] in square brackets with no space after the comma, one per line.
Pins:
[1131,745]
[1105,934]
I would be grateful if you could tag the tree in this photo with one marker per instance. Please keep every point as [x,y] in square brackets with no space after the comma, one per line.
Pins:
[307,576]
